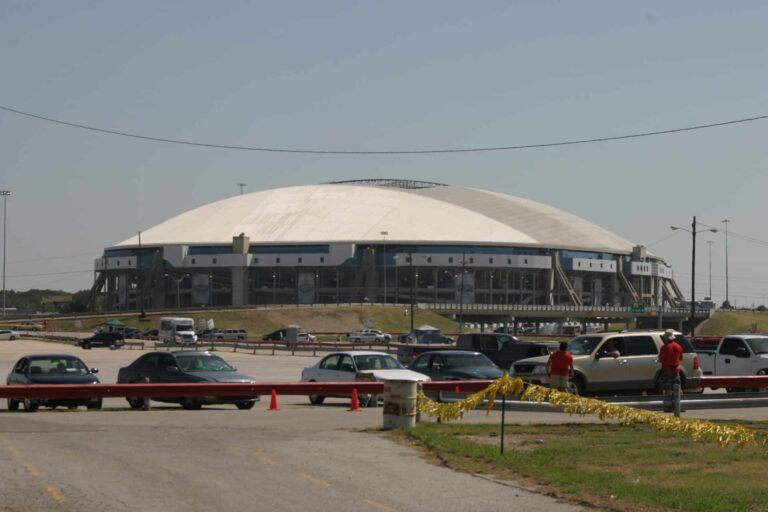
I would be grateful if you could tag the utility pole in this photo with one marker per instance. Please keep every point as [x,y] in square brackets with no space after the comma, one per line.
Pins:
[384,260]
[461,293]
[4,194]
[709,243]
[726,221]
[140,280]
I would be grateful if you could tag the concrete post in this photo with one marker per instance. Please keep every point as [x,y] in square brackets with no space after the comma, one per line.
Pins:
[399,404]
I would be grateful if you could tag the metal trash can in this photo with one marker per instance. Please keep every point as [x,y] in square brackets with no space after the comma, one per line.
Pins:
[399,404]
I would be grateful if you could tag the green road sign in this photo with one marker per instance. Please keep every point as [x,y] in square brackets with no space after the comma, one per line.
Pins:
[637,308]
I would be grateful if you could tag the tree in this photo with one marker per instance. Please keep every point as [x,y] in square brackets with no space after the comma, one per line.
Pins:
[726,305]
[80,301]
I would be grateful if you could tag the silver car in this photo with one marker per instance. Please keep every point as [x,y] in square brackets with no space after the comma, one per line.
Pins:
[615,361]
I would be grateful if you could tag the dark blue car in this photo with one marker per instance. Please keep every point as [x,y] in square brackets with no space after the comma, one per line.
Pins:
[456,365]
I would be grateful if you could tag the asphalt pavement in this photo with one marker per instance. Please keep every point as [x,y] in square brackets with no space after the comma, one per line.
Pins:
[220,458]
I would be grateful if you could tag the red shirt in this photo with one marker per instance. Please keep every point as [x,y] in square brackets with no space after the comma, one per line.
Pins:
[670,357]
[560,362]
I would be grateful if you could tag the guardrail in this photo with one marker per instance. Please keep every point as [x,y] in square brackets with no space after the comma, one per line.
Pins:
[219,389]
[254,346]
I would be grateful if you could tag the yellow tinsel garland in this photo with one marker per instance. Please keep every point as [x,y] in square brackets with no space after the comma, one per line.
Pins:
[698,430]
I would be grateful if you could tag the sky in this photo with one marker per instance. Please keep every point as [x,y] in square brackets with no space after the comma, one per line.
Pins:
[368,76]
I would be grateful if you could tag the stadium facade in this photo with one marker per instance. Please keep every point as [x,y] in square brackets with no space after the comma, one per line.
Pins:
[383,241]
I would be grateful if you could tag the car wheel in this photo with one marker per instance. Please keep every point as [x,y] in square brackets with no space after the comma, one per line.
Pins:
[761,373]
[86,346]
[13,338]
[136,402]
[576,385]
[30,405]
[95,404]
[244,406]
[316,399]
[13,405]
[191,404]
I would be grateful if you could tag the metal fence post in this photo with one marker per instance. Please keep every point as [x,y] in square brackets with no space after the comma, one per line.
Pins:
[676,399]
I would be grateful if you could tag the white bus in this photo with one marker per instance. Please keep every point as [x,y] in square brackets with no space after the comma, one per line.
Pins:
[177,329]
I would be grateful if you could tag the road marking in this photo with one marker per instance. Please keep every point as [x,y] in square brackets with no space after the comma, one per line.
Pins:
[32,470]
[54,492]
[312,479]
[380,506]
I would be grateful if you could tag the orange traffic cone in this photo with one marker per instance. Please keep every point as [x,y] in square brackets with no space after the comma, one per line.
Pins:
[355,403]
[273,402]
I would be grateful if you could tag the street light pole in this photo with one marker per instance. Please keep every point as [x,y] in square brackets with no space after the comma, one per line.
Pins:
[413,278]
[384,235]
[461,294]
[5,194]
[693,232]
[726,221]
[709,243]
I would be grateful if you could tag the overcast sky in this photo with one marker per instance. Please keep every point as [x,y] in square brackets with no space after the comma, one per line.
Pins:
[385,76]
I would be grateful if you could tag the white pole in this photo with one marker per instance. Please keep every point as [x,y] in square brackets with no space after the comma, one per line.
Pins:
[5,194]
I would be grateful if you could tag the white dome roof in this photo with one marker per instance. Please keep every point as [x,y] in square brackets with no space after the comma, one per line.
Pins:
[359,213]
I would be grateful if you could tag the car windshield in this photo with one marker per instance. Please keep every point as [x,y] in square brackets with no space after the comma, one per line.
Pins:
[462,361]
[583,345]
[758,345]
[377,362]
[203,363]
[58,366]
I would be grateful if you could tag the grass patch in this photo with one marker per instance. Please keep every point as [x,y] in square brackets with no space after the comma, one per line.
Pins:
[729,322]
[609,466]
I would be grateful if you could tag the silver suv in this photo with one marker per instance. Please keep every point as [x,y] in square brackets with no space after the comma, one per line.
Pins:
[615,361]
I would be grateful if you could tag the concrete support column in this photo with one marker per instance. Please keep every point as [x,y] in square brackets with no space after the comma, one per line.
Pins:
[239,287]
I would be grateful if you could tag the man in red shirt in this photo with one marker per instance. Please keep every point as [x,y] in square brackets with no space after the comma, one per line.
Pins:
[670,357]
[560,367]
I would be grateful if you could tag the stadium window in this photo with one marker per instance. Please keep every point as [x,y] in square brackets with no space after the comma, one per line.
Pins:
[214,261]
[429,259]
[509,261]
[322,259]
[407,259]
[450,259]
[525,261]
[118,263]
[471,260]
[255,260]
[277,260]
[193,261]
[578,264]
[490,260]
[299,259]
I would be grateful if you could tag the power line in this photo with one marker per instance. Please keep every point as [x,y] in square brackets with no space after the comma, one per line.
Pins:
[390,152]
[52,273]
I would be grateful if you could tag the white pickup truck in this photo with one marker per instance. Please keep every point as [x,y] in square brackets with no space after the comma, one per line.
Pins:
[737,354]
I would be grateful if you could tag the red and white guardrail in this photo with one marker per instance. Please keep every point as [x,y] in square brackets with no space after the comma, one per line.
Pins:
[282,388]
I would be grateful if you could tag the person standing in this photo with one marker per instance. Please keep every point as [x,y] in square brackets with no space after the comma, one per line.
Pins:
[670,357]
[560,367]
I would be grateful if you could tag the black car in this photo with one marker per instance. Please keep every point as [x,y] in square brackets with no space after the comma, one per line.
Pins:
[185,366]
[103,339]
[455,365]
[52,369]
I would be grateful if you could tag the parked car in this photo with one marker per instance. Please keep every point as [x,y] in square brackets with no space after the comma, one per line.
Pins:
[596,369]
[425,334]
[52,369]
[208,334]
[28,326]
[737,354]
[185,366]
[368,336]
[455,365]
[282,335]
[8,334]
[357,365]
[228,334]
[102,339]
[130,332]
[151,333]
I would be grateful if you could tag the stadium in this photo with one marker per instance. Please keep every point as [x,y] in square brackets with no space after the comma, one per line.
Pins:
[379,241]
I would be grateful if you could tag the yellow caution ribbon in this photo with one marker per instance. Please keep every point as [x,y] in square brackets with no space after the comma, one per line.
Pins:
[698,430]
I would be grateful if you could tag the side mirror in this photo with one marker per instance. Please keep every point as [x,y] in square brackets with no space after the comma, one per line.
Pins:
[742,352]
[94,370]
[173,369]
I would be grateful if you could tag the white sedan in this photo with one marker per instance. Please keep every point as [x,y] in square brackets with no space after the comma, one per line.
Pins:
[358,365]
[368,336]
[8,334]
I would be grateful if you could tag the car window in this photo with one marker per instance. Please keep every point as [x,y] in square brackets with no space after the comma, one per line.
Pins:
[331,362]
[729,346]
[583,345]
[58,366]
[201,363]
[457,361]
[150,362]
[684,343]
[758,345]
[487,342]
[166,360]
[615,344]
[21,365]
[346,364]
[640,346]
[376,362]
[438,363]
[422,363]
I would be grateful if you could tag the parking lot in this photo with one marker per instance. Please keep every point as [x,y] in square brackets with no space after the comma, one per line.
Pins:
[220,458]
